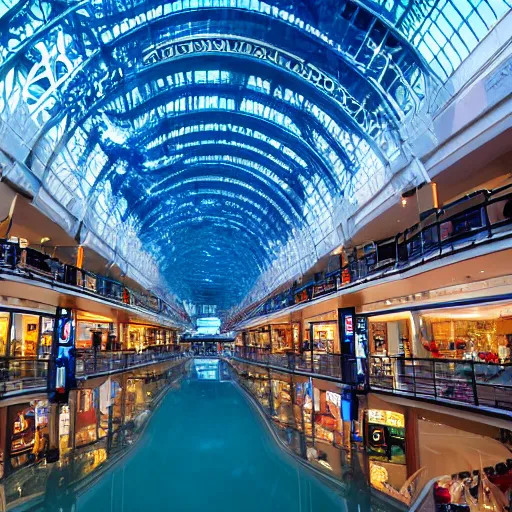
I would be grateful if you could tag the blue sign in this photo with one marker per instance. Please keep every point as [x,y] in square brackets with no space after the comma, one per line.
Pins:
[62,367]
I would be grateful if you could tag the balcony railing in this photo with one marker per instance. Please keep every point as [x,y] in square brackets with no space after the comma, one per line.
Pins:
[479,217]
[89,363]
[346,369]
[20,374]
[31,263]
[465,382]
[26,374]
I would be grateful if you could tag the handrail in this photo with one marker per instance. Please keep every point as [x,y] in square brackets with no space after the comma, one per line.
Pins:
[467,381]
[444,234]
[29,261]
[346,369]
[29,373]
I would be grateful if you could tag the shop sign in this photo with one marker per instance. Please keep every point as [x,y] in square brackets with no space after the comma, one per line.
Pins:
[387,418]
[349,325]
[334,398]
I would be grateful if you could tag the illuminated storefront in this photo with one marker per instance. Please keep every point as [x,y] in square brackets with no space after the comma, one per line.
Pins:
[282,340]
[25,335]
[321,334]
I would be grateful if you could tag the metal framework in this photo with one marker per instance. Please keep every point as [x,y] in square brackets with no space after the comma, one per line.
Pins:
[209,142]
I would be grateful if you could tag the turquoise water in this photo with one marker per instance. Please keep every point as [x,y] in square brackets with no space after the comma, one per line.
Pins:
[205,449]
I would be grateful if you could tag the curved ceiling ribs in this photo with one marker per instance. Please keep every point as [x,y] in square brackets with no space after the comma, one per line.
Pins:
[221,134]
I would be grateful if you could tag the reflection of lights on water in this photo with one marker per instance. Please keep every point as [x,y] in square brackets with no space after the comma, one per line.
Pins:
[325,464]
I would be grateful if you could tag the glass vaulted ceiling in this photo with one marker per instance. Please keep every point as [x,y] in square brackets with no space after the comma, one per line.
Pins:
[209,142]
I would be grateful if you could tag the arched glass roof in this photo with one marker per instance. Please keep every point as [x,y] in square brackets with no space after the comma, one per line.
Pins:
[209,142]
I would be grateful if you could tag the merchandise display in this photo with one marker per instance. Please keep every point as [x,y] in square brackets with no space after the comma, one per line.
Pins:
[281,338]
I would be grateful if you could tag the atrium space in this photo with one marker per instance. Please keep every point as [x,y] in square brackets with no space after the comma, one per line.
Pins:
[256,247]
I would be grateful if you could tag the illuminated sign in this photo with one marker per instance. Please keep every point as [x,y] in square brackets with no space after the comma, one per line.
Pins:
[387,418]
[349,325]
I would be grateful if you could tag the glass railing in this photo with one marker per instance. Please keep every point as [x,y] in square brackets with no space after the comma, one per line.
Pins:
[478,217]
[462,381]
[21,374]
[89,363]
[32,263]
[346,369]
[25,374]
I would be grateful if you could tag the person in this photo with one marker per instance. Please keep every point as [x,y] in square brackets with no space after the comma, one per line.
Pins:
[38,443]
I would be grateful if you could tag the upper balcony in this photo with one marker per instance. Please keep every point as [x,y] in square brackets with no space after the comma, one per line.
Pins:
[477,224]
[26,267]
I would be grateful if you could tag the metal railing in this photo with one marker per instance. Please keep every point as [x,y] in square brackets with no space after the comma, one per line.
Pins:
[19,374]
[25,374]
[462,381]
[30,263]
[480,216]
[89,363]
[346,369]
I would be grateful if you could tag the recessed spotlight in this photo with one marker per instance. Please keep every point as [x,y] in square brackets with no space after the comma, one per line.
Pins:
[404,202]
[482,271]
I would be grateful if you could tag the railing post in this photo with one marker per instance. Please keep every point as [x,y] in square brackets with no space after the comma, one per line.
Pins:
[434,377]
[487,220]
[413,375]
[473,383]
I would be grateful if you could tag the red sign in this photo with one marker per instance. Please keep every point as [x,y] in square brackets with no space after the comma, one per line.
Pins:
[349,325]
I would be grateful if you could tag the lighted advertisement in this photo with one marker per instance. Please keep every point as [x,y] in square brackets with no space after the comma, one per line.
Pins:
[386,436]
[61,374]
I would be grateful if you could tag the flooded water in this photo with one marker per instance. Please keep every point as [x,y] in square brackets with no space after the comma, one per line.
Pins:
[205,449]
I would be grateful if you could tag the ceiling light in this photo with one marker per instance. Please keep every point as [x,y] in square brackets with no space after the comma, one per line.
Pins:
[404,202]
[45,239]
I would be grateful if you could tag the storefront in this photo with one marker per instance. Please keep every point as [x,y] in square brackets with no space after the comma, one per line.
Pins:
[385,445]
[282,407]
[282,340]
[25,335]
[478,332]
[390,335]
[139,337]
[321,334]
[97,327]
[28,438]
[259,338]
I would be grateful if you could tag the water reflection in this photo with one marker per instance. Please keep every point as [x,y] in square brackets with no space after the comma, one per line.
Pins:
[205,448]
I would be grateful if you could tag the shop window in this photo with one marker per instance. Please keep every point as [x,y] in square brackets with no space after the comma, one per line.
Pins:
[259,338]
[45,344]
[390,335]
[64,429]
[85,330]
[386,436]
[481,333]
[86,418]
[281,338]
[324,337]
[4,333]
[24,335]
[282,400]
[29,432]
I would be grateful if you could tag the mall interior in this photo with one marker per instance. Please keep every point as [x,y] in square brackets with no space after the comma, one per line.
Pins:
[256,254]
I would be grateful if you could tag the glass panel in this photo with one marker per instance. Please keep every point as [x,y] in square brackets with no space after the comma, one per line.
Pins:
[24,335]
[4,332]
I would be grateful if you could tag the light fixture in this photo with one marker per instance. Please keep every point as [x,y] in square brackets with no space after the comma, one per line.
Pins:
[404,202]
[482,271]
[45,239]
